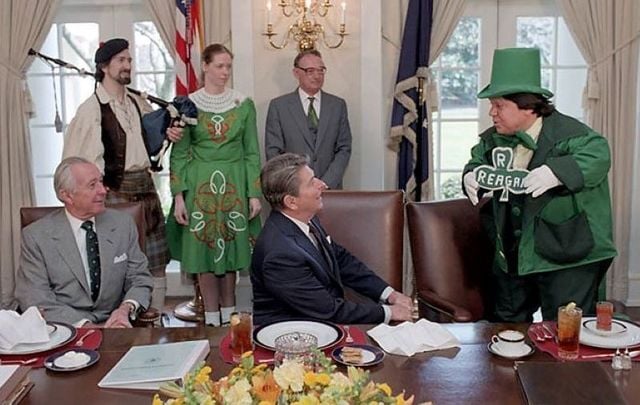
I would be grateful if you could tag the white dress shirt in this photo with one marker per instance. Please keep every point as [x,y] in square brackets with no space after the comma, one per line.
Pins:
[304,98]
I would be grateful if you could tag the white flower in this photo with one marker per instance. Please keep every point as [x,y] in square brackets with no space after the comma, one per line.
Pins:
[290,375]
[239,393]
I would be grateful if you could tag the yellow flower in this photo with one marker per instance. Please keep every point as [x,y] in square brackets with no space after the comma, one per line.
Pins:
[323,379]
[157,400]
[310,379]
[401,401]
[203,375]
[307,400]
[385,388]
[238,393]
[266,388]
[290,375]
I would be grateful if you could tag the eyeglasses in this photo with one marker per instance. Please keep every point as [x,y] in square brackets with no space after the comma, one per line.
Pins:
[312,70]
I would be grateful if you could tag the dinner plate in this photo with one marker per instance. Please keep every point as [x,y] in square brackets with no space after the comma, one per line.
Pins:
[371,355]
[71,359]
[327,333]
[630,338]
[62,335]
[617,327]
[526,351]
[51,328]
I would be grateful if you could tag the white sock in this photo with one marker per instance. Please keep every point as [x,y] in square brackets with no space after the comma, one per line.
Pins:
[226,313]
[212,318]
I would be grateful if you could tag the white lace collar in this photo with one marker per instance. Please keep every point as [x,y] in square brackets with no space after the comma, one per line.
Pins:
[217,103]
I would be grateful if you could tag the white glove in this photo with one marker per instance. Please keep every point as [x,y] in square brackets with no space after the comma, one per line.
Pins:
[540,180]
[471,187]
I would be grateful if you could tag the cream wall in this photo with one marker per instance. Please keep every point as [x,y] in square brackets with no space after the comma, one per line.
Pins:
[354,73]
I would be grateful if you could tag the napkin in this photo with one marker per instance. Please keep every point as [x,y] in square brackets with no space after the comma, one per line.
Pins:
[409,338]
[29,327]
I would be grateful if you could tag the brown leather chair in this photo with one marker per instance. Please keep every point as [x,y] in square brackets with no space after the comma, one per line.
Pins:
[136,210]
[452,258]
[370,225]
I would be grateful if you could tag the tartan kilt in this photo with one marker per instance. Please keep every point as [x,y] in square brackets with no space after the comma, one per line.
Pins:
[138,186]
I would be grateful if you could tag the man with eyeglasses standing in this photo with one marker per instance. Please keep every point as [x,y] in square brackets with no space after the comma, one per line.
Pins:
[311,122]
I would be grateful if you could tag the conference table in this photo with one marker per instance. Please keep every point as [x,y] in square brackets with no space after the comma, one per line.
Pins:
[468,374]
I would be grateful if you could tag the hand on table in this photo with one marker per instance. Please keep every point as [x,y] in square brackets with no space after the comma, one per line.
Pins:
[119,318]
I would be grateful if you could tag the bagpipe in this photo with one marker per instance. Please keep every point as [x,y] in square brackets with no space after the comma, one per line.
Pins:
[179,112]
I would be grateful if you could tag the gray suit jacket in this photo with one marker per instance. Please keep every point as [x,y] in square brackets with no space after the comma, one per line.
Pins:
[287,130]
[51,275]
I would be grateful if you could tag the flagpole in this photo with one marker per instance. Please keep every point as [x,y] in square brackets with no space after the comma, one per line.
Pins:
[417,173]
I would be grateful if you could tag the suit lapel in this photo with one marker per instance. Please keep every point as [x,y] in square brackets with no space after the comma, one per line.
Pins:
[106,231]
[65,242]
[299,117]
[326,111]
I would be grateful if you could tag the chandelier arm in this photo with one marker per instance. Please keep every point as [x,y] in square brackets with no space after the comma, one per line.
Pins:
[341,34]
[284,5]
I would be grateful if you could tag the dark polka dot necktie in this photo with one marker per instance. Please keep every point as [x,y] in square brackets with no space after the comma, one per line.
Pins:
[93,257]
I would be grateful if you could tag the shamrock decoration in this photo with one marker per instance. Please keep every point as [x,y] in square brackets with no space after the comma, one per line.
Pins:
[501,176]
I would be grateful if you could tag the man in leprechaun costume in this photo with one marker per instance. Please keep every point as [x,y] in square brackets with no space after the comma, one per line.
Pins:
[553,242]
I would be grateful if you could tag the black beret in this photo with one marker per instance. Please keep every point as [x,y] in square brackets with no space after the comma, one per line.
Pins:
[109,49]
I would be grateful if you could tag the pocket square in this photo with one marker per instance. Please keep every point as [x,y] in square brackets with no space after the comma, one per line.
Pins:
[120,258]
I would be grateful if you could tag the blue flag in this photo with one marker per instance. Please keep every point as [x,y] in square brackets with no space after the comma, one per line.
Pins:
[409,107]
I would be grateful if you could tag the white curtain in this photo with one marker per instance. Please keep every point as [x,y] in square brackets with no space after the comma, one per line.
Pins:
[163,15]
[24,25]
[446,14]
[607,33]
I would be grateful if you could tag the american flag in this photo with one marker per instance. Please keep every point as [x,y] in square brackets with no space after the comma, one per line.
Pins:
[189,44]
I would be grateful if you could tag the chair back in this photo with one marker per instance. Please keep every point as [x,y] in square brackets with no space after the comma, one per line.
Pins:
[452,258]
[135,209]
[370,224]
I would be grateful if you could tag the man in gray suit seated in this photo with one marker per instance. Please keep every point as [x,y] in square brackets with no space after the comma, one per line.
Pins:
[311,122]
[82,264]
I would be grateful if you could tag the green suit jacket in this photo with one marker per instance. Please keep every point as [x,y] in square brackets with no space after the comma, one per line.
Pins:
[580,159]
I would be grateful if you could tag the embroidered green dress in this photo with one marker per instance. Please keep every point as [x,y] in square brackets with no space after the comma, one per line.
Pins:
[216,165]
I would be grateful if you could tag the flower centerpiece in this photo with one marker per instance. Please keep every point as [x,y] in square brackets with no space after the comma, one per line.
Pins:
[289,383]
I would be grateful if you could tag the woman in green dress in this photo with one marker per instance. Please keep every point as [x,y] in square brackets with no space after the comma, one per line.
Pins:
[215,172]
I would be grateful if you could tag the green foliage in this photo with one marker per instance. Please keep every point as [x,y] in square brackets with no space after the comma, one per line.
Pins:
[452,188]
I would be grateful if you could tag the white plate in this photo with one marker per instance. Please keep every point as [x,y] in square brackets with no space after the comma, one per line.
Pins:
[526,351]
[371,355]
[62,335]
[327,333]
[630,338]
[82,358]
[617,327]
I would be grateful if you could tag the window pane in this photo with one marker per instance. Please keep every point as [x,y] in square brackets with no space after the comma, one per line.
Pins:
[546,77]
[451,185]
[79,43]
[76,90]
[537,32]
[150,55]
[45,196]
[568,52]
[463,49]
[46,150]
[457,140]
[42,97]
[161,84]
[458,89]
[569,91]
[49,48]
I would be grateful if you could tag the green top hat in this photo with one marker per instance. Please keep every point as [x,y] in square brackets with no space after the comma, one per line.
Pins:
[515,70]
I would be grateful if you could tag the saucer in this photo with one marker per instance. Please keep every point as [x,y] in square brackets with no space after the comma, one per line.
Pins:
[371,355]
[526,351]
[617,327]
[68,361]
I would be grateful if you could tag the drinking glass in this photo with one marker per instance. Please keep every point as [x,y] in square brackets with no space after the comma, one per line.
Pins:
[296,346]
[604,315]
[241,334]
[569,319]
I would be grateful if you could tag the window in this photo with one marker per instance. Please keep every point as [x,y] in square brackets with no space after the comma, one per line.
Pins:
[464,67]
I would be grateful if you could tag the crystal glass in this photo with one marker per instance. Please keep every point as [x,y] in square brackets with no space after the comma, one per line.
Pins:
[569,319]
[241,334]
[296,346]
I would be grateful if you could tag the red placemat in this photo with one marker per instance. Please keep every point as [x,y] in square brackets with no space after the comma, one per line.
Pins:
[262,355]
[91,342]
[550,346]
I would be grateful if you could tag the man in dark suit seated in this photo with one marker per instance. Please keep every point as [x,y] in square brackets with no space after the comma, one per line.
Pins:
[82,264]
[297,271]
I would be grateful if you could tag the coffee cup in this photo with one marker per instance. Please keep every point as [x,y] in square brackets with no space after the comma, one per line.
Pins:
[509,342]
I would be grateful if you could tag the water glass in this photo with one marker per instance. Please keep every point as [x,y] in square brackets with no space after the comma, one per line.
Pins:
[569,320]
[604,315]
[241,334]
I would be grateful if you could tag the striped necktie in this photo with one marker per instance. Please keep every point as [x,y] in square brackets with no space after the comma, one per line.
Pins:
[93,258]
[312,116]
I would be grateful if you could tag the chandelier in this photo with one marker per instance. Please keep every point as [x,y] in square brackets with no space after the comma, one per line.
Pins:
[305,30]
